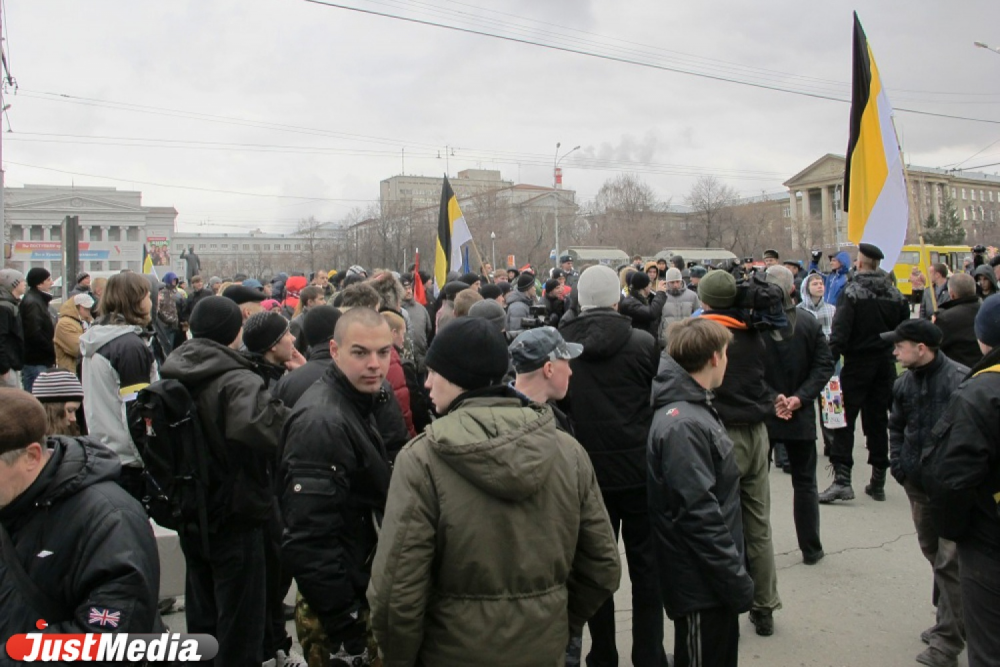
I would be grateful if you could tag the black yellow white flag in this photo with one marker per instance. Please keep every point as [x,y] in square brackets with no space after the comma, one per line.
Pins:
[453,232]
[874,182]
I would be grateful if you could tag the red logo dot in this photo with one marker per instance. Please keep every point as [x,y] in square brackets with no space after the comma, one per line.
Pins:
[41,624]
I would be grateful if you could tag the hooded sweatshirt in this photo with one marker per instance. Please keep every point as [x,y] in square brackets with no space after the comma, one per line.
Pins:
[837,279]
[69,328]
[495,541]
[117,363]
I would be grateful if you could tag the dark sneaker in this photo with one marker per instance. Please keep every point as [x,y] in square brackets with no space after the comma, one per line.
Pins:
[763,621]
[932,657]
[925,636]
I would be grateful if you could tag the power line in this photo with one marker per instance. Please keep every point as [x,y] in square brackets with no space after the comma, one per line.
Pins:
[631,61]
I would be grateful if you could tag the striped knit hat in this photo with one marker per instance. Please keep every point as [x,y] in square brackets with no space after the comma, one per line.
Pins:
[57,385]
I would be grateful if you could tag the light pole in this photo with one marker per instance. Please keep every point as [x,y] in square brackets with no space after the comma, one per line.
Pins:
[555,178]
[493,242]
[986,46]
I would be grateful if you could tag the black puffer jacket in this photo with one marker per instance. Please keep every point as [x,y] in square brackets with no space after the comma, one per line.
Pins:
[388,414]
[242,424]
[744,397]
[869,306]
[919,398]
[609,397]
[335,479]
[961,471]
[39,325]
[957,321]
[84,542]
[797,365]
[11,333]
[694,499]
[644,311]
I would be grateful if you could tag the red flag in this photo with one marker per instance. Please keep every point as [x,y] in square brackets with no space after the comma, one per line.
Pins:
[418,284]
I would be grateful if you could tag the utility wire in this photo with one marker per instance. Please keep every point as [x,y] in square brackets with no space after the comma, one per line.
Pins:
[631,61]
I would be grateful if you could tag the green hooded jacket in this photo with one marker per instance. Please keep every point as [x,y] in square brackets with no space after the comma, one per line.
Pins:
[495,543]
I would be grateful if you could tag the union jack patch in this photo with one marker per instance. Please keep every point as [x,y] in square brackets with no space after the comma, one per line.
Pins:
[104,617]
[673,412]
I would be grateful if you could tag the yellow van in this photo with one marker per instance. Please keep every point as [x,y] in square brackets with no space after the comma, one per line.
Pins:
[952,255]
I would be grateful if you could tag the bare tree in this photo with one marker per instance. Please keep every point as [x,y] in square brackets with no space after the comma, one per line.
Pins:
[711,200]
[626,214]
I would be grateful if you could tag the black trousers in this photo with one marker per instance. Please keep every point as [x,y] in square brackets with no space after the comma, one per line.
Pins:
[277,582]
[224,594]
[629,515]
[980,577]
[708,638]
[805,503]
[867,384]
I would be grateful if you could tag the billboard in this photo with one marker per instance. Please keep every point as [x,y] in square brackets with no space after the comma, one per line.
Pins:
[90,251]
[159,250]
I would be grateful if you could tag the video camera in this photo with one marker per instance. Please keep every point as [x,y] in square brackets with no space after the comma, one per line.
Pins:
[538,317]
[764,300]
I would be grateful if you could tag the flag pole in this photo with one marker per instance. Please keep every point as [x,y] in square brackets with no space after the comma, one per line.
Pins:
[924,269]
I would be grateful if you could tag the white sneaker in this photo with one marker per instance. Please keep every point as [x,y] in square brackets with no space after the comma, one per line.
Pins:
[291,659]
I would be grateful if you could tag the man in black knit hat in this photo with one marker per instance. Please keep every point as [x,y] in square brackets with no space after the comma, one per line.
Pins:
[271,346]
[39,326]
[242,424]
[492,513]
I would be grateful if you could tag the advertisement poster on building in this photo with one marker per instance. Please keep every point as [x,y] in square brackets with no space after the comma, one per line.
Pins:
[90,251]
[159,250]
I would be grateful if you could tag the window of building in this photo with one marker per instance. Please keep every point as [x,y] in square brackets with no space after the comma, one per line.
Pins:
[114,234]
[963,193]
[267,246]
[953,193]
[132,234]
[973,195]
[35,233]
[225,246]
[288,246]
[55,233]
[95,234]
[114,266]
[298,246]
[982,196]
[786,212]
[965,214]
[991,195]
[212,246]
[256,246]
[201,246]
[246,246]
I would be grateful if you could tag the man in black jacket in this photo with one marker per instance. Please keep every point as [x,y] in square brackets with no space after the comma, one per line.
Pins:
[694,499]
[609,405]
[745,402]
[869,306]
[12,288]
[799,365]
[83,542]
[39,326]
[644,310]
[956,318]
[963,481]
[225,590]
[919,398]
[335,477]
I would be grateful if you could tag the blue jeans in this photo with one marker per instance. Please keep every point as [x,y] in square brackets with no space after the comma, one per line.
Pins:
[28,375]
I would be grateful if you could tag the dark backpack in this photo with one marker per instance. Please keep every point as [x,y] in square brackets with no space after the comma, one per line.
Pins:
[175,453]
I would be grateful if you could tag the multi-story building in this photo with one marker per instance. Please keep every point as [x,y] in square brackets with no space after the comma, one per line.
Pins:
[114,225]
[818,218]
[414,192]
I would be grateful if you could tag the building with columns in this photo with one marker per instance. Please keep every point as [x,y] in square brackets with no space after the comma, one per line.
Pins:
[114,225]
[818,219]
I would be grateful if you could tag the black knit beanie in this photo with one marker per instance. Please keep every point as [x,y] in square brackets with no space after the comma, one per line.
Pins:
[216,318]
[469,352]
[36,276]
[319,323]
[262,331]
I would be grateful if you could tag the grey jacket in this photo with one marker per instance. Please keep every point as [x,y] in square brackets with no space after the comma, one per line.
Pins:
[675,309]
[518,306]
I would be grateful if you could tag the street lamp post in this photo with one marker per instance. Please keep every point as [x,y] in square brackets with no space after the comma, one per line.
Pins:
[493,242]
[555,170]
[986,46]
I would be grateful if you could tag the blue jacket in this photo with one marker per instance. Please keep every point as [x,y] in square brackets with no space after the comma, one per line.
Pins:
[836,280]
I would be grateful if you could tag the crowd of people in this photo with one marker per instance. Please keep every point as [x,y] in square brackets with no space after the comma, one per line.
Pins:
[445,471]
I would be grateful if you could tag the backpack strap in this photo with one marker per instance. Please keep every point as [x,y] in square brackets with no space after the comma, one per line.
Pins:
[37,599]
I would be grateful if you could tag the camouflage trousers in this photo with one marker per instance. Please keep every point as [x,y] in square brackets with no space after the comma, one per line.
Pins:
[317,648]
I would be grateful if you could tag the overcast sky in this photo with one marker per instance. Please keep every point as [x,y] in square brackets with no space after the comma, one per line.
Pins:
[308,107]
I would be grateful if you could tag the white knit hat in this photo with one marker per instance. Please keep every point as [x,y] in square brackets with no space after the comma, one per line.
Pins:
[598,287]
